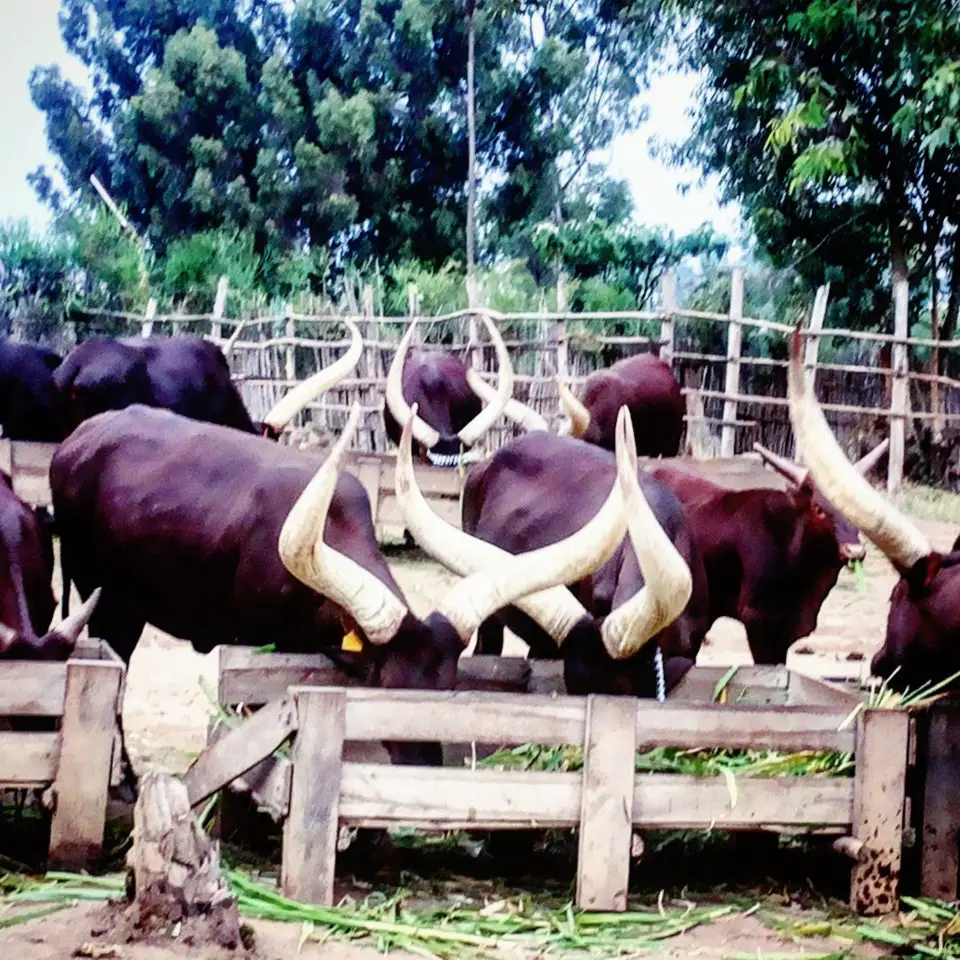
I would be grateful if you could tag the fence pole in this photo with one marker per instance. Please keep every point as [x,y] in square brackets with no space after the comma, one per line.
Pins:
[290,333]
[898,392]
[668,297]
[473,333]
[147,327]
[811,347]
[560,330]
[413,310]
[219,306]
[728,434]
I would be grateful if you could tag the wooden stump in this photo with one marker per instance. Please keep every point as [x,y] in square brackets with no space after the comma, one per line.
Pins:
[175,870]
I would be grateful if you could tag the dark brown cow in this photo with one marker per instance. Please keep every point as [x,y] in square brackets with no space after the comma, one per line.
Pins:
[923,627]
[26,598]
[535,491]
[180,522]
[649,390]
[771,556]
[28,395]
[451,416]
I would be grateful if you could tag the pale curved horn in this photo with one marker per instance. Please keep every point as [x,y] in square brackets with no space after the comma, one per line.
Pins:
[786,468]
[293,401]
[486,418]
[396,403]
[72,626]
[840,481]
[668,582]
[8,637]
[555,610]
[376,609]
[576,412]
[869,460]
[525,417]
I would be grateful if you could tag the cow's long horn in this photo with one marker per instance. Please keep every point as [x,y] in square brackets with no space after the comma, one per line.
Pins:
[376,609]
[292,402]
[525,417]
[667,579]
[555,609]
[840,481]
[576,412]
[396,403]
[486,418]
[869,460]
[786,468]
[71,627]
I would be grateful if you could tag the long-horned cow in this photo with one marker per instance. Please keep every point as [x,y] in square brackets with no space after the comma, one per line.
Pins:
[647,387]
[451,415]
[534,492]
[771,556]
[922,642]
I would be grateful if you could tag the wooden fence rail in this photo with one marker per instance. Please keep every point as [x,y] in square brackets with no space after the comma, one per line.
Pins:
[738,395]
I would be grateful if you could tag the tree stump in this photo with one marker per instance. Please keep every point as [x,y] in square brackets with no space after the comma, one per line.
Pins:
[177,886]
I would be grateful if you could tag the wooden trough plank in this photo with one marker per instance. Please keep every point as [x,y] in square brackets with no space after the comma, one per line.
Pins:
[310,830]
[882,743]
[87,733]
[377,795]
[606,805]
[241,749]
[32,689]
[940,833]
[28,759]
[418,715]
[750,685]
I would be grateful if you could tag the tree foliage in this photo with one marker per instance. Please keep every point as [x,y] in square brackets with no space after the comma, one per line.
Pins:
[835,124]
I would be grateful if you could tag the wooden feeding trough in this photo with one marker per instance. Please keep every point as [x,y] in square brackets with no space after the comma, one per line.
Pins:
[317,787]
[76,763]
[28,466]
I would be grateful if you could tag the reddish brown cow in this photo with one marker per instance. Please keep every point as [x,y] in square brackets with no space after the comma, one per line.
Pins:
[643,384]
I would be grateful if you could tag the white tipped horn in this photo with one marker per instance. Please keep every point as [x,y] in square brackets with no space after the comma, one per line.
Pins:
[525,417]
[396,403]
[869,460]
[486,418]
[576,412]
[297,399]
[840,481]
[71,628]
[667,579]
[786,468]
[556,610]
[376,609]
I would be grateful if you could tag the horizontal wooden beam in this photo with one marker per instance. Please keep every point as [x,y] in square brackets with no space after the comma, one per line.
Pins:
[28,759]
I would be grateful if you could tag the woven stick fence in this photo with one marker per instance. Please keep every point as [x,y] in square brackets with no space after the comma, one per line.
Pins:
[734,397]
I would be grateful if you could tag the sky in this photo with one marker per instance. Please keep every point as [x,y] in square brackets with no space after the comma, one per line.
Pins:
[29,36]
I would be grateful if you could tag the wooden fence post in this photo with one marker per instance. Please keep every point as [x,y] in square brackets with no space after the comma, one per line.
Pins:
[560,330]
[473,332]
[668,296]
[289,331]
[606,805]
[878,802]
[146,328]
[900,386]
[310,830]
[731,388]
[940,831]
[811,346]
[219,306]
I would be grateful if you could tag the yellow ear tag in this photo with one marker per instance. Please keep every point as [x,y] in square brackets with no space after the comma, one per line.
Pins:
[351,642]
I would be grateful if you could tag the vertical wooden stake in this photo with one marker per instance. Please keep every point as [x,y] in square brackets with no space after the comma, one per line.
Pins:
[219,306]
[146,328]
[940,831]
[811,346]
[606,806]
[560,329]
[310,830]
[898,393]
[728,433]
[289,331]
[668,306]
[878,803]
[86,753]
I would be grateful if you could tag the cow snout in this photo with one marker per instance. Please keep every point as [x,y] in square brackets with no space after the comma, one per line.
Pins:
[853,552]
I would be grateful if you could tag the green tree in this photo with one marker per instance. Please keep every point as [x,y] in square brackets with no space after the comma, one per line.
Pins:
[834,123]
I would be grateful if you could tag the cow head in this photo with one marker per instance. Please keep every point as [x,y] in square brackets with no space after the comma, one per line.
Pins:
[20,643]
[611,656]
[923,626]
[444,398]
[823,518]
[422,653]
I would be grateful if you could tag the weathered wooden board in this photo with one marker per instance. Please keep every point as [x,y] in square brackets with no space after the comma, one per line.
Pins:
[28,759]
[32,689]
[940,829]
[28,466]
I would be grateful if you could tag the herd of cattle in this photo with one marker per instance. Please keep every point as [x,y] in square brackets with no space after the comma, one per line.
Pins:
[173,508]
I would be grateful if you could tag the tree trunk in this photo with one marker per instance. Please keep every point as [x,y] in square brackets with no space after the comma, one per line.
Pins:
[175,867]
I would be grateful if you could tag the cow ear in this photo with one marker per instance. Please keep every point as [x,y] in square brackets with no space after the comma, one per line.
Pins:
[922,574]
[801,494]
